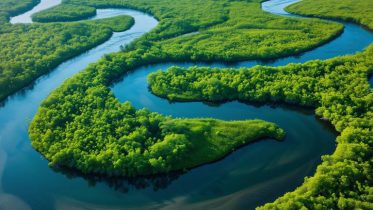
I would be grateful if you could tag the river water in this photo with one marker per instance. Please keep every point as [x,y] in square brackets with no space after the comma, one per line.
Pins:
[251,176]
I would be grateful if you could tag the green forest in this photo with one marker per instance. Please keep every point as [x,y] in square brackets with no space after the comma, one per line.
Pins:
[359,11]
[250,33]
[82,125]
[337,88]
[65,13]
[122,141]
[13,7]
[41,47]
[29,51]
[87,94]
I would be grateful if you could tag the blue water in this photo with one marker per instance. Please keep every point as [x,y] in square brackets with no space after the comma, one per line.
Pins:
[251,176]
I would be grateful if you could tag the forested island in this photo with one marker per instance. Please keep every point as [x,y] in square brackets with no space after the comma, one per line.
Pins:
[82,126]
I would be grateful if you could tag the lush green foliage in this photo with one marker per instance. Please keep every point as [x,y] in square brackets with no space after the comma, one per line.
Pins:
[359,11]
[337,87]
[28,51]
[13,7]
[176,18]
[116,24]
[65,13]
[228,30]
[250,33]
[86,95]
[339,90]
[128,142]
[83,126]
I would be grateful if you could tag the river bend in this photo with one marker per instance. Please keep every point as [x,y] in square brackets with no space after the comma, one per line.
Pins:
[251,176]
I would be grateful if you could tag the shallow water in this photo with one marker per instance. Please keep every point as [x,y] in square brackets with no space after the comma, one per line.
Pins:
[251,176]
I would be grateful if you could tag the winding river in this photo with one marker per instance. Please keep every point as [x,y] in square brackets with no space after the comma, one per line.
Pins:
[251,176]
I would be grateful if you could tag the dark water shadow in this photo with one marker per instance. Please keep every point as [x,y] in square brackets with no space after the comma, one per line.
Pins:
[121,183]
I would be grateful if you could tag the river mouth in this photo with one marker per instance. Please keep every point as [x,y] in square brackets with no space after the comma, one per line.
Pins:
[251,176]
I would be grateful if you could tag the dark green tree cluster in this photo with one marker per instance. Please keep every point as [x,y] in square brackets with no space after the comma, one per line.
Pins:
[116,24]
[176,17]
[64,13]
[29,51]
[337,88]
[250,33]
[238,28]
[260,84]
[359,11]
[13,7]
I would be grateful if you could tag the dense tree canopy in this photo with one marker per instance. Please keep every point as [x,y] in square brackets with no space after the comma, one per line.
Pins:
[101,136]
[65,13]
[240,29]
[176,18]
[29,51]
[359,11]
[82,125]
[341,93]
[250,33]
[337,88]
[13,7]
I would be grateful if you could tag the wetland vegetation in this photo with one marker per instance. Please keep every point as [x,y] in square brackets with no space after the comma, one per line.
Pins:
[87,94]
[31,50]
[65,13]
[81,125]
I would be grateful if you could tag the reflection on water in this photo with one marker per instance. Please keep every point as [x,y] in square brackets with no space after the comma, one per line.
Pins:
[124,184]
[8,201]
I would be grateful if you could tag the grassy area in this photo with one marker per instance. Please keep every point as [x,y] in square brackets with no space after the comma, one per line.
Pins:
[213,139]
[116,24]
[359,11]
[250,33]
